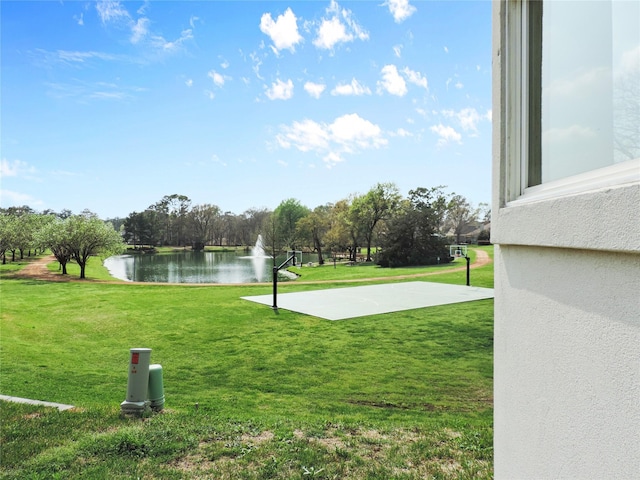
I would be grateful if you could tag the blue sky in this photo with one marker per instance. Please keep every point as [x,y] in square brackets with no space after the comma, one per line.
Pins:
[110,106]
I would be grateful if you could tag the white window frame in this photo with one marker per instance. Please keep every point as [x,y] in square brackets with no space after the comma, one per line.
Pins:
[598,209]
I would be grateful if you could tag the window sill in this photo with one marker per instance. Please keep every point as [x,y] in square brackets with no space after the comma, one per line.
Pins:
[618,174]
[598,210]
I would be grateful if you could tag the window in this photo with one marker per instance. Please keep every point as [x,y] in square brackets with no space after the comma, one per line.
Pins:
[576,114]
[566,124]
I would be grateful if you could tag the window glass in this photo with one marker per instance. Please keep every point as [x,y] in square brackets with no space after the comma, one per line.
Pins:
[590,86]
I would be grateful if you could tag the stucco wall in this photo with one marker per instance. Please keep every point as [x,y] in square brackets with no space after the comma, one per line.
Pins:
[567,363]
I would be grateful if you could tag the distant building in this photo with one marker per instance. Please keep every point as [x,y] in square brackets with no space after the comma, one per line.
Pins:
[566,225]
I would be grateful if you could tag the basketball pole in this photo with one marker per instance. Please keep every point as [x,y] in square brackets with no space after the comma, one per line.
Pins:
[275,279]
[468,270]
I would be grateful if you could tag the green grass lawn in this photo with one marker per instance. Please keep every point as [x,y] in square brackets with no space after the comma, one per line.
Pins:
[367,270]
[406,395]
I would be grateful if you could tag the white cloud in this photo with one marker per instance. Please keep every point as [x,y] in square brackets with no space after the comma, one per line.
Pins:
[332,158]
[330,33]
[392,82]
[401,132]
[353,132]
[216,160]
[280,90]
[15,168]
[104,95]
[400,9]
[582,85]
[139,30]
[85,91]
[110,11]
[257,62]
[353,88]
[79,19]
[314,89]
[218,79]
[143,9]
[283,31]
[459,85]
[629,61]
[446,49]
[305,136]
[189,82]
[339,27]
[74,58]
[469,118]
[446,134]
[573,133]
[11,198]
[416,78]
[348,134]
[167,46]
[114,12]
[397,50]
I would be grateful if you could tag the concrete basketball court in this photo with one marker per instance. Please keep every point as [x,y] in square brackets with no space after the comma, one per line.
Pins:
[352,302]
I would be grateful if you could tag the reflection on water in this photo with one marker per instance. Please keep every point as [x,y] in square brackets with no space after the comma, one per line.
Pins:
[192,267]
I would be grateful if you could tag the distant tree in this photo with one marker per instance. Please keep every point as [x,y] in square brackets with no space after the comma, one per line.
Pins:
[171,217]
[18,211]
[54,236]
[484,212]
[459,215]
[65,213]
[270,240]
[411,237]
[142,228]
[250,224]
[286,216]
[8,233]
[229,223]
[313,228]
[117,222]
[377,204]
[25,232]
[86,235]
[626,141]
[338,238]
[354,227]
[41,222]
[202,220]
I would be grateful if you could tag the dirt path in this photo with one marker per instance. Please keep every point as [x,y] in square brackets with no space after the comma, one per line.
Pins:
[38,270]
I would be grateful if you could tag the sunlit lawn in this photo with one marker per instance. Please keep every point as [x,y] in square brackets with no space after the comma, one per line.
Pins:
[278,394]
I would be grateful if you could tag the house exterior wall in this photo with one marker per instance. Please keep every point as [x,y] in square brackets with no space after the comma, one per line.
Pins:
[567,364]
[567,317]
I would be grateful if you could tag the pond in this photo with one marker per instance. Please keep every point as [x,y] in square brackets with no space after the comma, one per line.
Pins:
[196,267]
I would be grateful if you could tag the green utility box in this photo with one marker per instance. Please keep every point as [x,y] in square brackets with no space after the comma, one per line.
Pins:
[155,392]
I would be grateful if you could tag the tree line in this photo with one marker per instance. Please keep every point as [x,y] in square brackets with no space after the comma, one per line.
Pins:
[69,237]
[402,231]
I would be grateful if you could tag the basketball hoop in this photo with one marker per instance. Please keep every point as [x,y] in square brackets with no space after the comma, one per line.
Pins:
[458,251]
